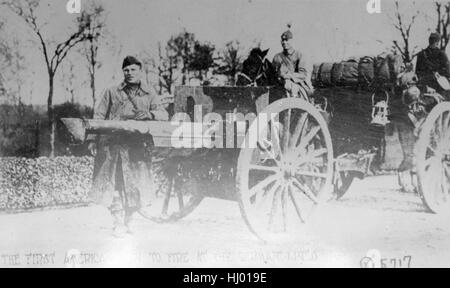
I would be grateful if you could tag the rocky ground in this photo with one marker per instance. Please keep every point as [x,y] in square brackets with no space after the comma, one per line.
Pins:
[373,225]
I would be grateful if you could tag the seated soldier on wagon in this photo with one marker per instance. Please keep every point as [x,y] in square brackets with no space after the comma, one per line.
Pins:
[291,69]
[433,67]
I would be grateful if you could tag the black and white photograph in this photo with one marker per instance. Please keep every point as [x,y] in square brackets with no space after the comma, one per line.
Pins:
[224,134]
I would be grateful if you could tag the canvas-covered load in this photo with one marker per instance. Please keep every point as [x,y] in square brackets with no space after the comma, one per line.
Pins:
[322,75]
[325,74]
[364,72]
[315,74]
[346,73]
[388,67]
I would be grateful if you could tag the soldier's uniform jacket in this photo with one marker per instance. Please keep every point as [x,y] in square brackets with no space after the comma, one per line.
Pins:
[287,63]
[116,104]
[121,163]
[429,61]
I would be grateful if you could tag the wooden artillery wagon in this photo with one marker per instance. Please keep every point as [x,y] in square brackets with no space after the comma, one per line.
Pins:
[278,164]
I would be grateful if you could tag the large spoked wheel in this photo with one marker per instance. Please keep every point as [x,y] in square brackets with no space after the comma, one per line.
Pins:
[433,159]
[285,168]
[177,195]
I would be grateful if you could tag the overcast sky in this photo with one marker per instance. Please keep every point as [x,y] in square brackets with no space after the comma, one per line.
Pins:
[324,30]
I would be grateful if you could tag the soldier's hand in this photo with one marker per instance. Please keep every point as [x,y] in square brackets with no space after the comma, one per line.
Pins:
[142,115]
[92,147]
[128,117]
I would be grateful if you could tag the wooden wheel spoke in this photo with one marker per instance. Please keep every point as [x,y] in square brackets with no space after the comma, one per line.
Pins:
[447,169]
[180,200]
[259,201]
[295,204]
[275,137]
[439,126]
[434,178]
[446,124]
[167,195]
[315,154]
[298,130]
[308,137]
[311,157]
[441,184]
[311,174]
[442,135]
[263,184]
[274,207]
[284,207]
[264,168]
[319,152]
[286,130]
[445,184]
[306,190]
[304,130]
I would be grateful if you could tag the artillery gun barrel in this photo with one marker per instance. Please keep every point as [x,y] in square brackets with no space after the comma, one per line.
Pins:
[161,131]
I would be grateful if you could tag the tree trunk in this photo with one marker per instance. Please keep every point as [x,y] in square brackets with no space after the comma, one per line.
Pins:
[37,138]
[93,89]
[183,71]
[51,116]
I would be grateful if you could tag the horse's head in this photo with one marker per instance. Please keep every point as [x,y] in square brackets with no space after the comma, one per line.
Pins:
[258,53]
[256,70]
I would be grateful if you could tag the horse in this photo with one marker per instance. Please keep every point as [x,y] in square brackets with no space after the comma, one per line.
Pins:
[417,104]
[257,70]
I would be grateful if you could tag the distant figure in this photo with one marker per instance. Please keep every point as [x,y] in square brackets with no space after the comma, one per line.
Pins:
[433,63]
[119,159]
[291,69]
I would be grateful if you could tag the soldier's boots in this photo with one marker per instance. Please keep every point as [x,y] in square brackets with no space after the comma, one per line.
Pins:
[128,221]
[119,227]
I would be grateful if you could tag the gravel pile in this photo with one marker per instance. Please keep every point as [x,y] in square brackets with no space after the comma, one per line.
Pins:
[43,182]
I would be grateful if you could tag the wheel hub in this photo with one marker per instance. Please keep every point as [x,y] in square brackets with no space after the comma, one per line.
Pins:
[288,170]
[287,175]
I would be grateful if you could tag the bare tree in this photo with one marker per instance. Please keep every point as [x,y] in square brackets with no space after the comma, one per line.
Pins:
[5,59]
[68,77]
[443,23]
[230,60]
[94,17]
[149,65]
[167,66]
[162,67]
[26,10]
[12,72]
[183,46]
[404,48]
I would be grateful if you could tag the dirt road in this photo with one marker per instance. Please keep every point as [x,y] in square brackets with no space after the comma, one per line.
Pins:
[373,225]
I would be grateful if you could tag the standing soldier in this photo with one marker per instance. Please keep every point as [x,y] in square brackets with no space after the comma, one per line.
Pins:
[291,68]
[120,158]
